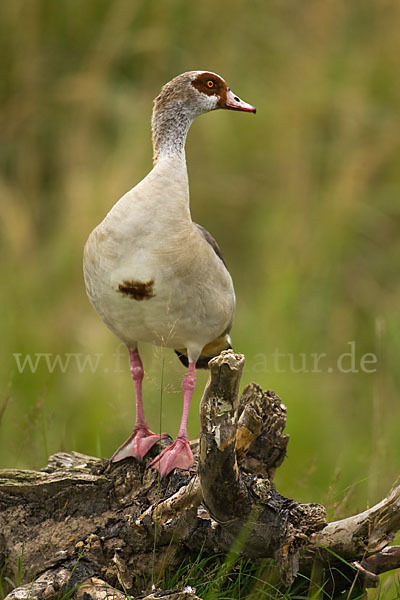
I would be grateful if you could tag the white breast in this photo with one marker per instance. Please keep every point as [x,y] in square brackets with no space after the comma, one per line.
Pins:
[149,238]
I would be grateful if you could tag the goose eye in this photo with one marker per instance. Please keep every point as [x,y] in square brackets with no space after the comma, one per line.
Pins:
[210,83]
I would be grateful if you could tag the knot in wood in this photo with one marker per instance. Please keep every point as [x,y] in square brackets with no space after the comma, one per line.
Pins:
[262,489]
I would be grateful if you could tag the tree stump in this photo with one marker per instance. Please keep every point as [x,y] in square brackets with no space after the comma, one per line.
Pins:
[92,529]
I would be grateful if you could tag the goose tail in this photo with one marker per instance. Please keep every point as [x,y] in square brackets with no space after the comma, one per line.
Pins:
[209,351]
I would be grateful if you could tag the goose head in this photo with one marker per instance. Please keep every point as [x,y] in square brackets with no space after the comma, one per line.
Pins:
[183,99]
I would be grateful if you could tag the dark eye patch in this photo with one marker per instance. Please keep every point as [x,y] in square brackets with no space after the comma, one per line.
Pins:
[201,84]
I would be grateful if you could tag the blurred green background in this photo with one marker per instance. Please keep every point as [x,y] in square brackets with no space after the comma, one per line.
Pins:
[303,199]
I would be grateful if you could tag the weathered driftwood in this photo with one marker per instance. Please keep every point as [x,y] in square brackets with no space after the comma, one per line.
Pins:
[99,530]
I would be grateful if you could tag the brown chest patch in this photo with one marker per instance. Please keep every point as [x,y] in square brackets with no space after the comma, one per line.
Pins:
[138,290]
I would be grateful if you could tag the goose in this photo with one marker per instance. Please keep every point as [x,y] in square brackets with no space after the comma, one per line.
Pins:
[153,275]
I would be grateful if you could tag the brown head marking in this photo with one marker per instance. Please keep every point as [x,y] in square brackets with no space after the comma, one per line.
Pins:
[138,290]
[211,85]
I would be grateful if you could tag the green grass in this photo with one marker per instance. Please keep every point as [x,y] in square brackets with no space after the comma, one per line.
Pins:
[303,199]
[232,577]
[216,578]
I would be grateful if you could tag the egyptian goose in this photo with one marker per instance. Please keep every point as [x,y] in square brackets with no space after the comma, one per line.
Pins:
[155,276]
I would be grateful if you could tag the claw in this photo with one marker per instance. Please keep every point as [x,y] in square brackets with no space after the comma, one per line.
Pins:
[176,456]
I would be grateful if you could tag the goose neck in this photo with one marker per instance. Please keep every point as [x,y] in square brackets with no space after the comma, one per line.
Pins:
[170,127]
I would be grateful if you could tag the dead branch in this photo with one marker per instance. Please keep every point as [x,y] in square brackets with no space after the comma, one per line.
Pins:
[365,533]
[94,529]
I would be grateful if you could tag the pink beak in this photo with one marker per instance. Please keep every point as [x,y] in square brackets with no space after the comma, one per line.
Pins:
[235,103]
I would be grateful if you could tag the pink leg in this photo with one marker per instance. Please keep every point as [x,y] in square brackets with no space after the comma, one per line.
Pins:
[179,454]
[142,438]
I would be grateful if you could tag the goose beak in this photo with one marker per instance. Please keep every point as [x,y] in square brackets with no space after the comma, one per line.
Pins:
[235,103]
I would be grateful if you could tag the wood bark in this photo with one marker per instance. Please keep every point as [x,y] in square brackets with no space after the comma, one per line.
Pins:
[91,529]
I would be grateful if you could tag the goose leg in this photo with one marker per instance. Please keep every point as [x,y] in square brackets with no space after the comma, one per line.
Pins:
[179,454]
[142,438]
